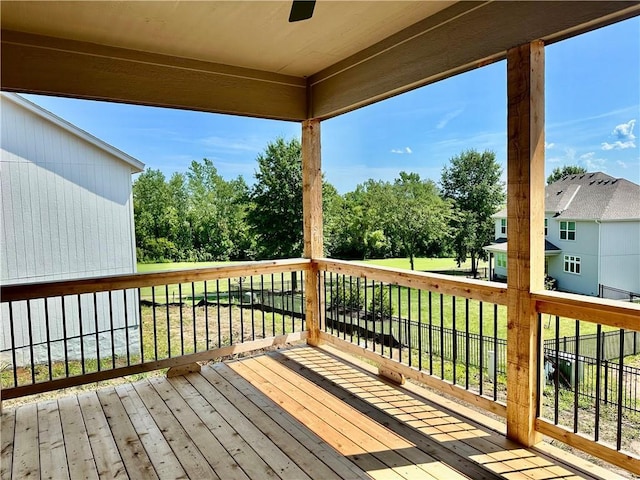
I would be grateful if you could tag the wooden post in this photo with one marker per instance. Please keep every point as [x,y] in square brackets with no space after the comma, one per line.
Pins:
[525,231]
[312,213]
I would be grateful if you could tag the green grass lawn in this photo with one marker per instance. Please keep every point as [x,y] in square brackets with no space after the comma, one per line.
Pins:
[423,263]
[161,267]
[400,304]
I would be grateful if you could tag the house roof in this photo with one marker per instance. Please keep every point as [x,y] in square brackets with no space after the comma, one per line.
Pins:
[591,196]
[244,57]
[136,165]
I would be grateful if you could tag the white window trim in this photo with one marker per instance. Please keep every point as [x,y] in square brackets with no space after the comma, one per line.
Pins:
[503,226]
[501,260]
[574,260]
[575,230]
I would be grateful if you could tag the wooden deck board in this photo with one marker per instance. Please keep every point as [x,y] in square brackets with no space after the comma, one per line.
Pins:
[187,453]
[299,413]
[79,455]
[104,448]
[53,457]
[160,454]
[26,458]
[7,427]
[294,440]
[134,456]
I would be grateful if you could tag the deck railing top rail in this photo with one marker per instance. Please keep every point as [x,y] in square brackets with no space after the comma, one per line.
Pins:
[27,291]
[592,309]
[492,292]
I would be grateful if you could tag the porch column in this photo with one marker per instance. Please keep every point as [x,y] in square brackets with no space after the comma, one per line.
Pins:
[525,231]
[312,221]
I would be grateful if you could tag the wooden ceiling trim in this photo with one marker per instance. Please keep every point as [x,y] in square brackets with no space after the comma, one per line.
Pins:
[455,40]
[46,65]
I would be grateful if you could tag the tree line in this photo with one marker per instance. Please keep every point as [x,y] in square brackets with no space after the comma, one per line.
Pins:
[199,216]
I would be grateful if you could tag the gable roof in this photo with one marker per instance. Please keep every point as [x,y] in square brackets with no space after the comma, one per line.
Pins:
[591,196]
[135,164]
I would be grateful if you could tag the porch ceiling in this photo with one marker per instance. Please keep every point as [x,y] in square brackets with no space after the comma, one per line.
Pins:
[245,58]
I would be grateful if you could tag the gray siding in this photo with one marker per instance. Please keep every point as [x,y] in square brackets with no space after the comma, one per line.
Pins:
[620,255]
[66,213]
[584,246]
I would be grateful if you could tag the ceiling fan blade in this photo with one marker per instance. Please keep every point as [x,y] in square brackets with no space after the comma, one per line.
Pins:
[301,10]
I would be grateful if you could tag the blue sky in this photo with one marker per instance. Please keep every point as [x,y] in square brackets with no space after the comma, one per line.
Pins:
[592,109]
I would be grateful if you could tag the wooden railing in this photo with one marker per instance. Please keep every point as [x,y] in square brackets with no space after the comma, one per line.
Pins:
[61,334]
[448,332]
[594,420]
[444,331]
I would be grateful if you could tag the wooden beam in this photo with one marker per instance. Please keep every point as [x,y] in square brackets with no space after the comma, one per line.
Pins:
[590,309]
[312,221]
[26,291]
[465,36]
[525,231]
[491,292]
[55,66]
[597,449]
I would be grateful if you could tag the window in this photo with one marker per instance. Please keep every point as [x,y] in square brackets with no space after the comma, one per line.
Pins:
[503,226]
[572,264]
[546,227]
[567,230]
[501,260]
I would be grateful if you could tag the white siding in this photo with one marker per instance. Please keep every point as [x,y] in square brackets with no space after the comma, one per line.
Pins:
[620,255]
[66,213]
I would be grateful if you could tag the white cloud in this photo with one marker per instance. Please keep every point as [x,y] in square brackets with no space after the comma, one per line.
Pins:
[549,146]
[624,135]
[622,164]
[592,163]
[401,151]
[232,144]
[448,117]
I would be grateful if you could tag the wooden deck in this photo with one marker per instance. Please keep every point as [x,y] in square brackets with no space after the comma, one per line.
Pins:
[299,413]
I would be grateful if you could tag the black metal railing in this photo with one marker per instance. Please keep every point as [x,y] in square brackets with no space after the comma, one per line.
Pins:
[455,339]
[595,396]
[110,332]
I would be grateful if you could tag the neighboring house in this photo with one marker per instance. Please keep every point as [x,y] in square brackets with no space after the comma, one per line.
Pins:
[592,235]
[67,213]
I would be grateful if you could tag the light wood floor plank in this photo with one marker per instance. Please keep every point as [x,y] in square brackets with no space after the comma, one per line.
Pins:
[104,448]
[298,413]
[453,456]
[26,459]
[53,457]
[415,463]
[190,457]
[308,450]
[6,441]
[133,454]
[79,455]
[340,440]
[218,457]
[162,457]
[255,458]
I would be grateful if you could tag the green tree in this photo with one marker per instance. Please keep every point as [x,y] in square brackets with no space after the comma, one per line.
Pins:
[150,198]
[217,210]
[417,217]
[560,172]
[275,216]
[472,181]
